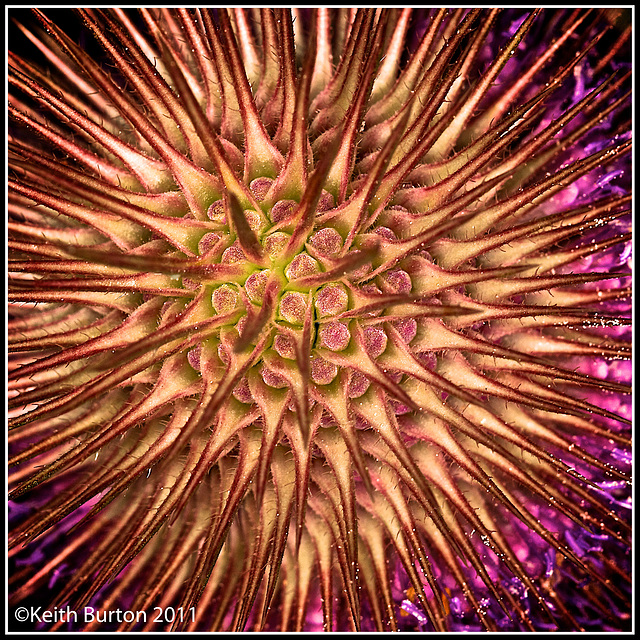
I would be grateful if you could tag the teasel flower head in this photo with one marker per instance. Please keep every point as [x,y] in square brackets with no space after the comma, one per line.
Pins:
[320,318]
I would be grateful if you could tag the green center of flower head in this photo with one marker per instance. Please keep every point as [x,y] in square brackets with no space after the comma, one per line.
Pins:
[292,288]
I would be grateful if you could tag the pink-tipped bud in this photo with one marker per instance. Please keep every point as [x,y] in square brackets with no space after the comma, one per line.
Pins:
[207,242]
[272,379]
[322,371]
[386,233]
[284,347]
[282,209]
[275,243]
[331,300]
[334,336]
[396,281]
[242,392]
[358,384]
[193,357]
[260,187]
[224,299]
[375,341]
[326,202]
[407,328]
[223,354]
[233,254]
[256,284]
[362,271]
[216,212]
[257,222]
[189,283]
[327,242]
[302,265]
[293,307]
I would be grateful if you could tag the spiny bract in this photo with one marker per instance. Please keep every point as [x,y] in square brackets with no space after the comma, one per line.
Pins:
[319,318]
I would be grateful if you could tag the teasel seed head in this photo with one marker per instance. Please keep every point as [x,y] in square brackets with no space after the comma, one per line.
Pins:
[320,318]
